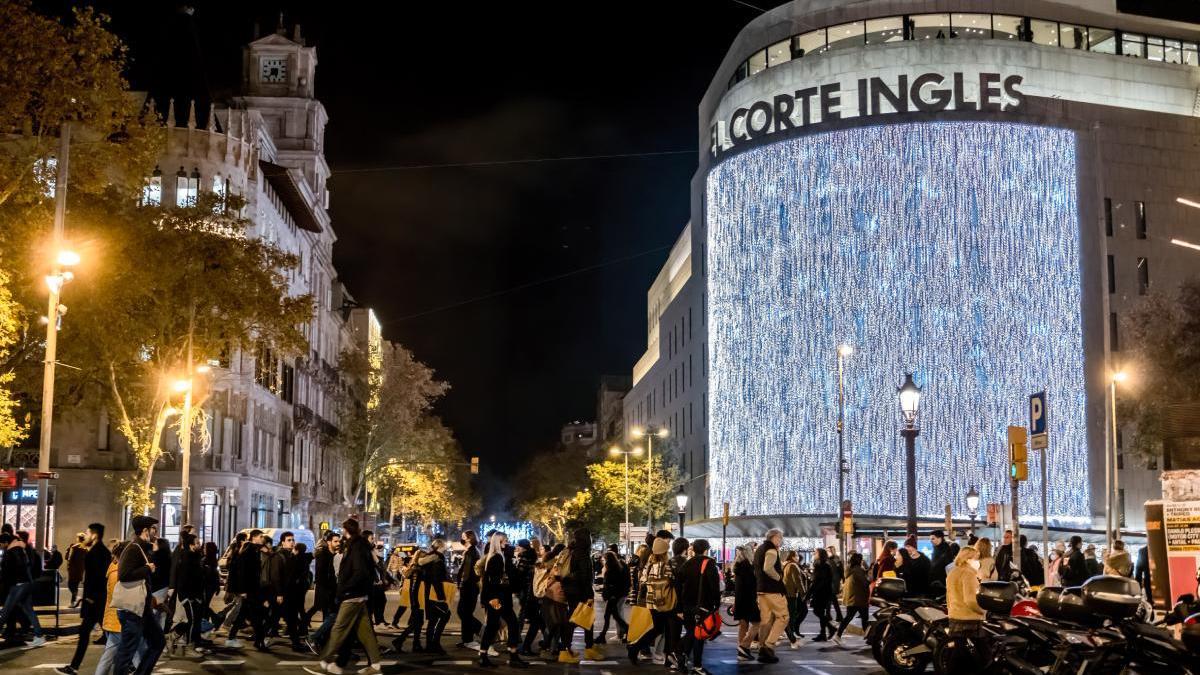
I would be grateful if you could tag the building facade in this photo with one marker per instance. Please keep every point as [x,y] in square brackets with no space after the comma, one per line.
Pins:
[973,192]
[272,417]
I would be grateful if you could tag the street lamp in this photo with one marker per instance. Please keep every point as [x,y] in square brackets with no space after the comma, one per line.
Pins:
[616,450]
[973,505]
[184,386]
[681,501]
[843,351]
[1112,490]
[649,433]
[910,398]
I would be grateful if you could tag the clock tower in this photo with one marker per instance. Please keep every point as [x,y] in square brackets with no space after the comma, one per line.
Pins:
[277,81]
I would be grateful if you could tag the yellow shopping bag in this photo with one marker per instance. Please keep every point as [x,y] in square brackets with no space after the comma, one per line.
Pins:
[584,615]
[404,588]
[640,623]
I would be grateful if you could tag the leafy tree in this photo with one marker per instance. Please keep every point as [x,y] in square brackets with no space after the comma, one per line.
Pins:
[161,286]
[387,419]
[655,488]
[1163,338]
[54,71]
[429,483]
[11,431]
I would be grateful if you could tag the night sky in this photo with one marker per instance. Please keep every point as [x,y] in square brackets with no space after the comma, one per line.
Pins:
[414,84]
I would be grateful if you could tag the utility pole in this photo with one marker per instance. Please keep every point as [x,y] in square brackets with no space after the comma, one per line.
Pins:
[41,532]
[185,474]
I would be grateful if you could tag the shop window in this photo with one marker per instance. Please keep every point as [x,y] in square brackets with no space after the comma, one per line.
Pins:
[1102,40]
[1172,51]
[780,52]
[971,26]
[758,63]
[885,30]
[1006,27]
[1140,209]
[846,35]
[1133,44]
[929,26]
[1072,36]
[809,43]
[152,190]
[186,187]
[1155,49]
[1143,276]
[1044,32]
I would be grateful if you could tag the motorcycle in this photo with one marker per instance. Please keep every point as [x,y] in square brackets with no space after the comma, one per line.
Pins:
[898,637]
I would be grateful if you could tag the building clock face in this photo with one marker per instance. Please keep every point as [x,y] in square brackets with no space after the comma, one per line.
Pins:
[274,69]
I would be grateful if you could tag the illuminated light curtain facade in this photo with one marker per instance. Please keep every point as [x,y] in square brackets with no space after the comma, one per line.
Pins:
[950,249]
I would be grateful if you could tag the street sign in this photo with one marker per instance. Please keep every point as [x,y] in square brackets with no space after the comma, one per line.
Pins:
[631,532]
[42,475]
[993,514]
[8,479]
[1038,430]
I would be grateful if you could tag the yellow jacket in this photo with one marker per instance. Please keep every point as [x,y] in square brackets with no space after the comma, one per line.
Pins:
[110,623]
[961,586]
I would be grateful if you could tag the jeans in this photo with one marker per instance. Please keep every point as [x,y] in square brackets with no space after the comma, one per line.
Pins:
[612,610]
[20,597]
[134,629]
[352,618]
[322,632]
[850,612]
[109,657]
[468,599]
[797,610]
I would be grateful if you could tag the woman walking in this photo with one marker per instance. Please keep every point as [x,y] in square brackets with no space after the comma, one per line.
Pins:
[616,588]
[496,593]
[577,587]
[745,599]
[658,582]
[855,595]
[797,589]
[820,594]
[437,608]
[554,600]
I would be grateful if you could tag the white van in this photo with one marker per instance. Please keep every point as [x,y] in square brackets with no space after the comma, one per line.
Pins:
[305,536]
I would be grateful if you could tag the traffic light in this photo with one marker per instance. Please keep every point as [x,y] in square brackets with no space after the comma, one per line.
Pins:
[1018,454]
[474,466]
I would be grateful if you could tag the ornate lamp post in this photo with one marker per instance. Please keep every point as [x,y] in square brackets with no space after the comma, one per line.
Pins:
[910,398]
[973,505]
[681,501]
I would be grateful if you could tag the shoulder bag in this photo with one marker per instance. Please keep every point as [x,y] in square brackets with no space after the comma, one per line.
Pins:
[708,622]
[131,595]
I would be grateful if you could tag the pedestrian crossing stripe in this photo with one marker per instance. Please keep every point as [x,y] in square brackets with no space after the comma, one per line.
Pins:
[597,663]
[451,663]
[223,663]
[802,662]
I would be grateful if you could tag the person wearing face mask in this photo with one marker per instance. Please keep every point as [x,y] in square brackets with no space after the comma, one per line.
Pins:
[962,583]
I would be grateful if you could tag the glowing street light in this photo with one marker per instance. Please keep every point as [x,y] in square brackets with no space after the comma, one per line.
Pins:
[681,501]
[910,398]
[67,258]
[1112,479]
[973,505]
[636,450]
[649,433]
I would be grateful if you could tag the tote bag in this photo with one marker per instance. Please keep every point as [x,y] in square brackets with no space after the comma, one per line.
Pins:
[131,595]
[640,623]
[584,615]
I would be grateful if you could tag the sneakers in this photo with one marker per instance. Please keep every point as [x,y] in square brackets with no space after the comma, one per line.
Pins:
[698,670]
[744,654]
[66,670]
[565,656]
[593,654]
[373,668]
[332,668]
[472,645]
[837,640]
[37,641]
[234,643]
[767,656]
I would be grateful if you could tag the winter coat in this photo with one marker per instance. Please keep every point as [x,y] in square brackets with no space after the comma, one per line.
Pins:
[134,565]
[962,585]
[14,568]
[466,571]
[187,573]
[696,589]
[855,589]
[496,583]
[745,592]
[577,584]
[295,572]
[110,623]
[326,578]
[1073,570]
[769,582]
[249,563]
[356,575]
[821,591]
[915,572]
[937,565]
[793,580]
[95,575]
[433,571]
[75,558]
[616,578]
[162,559]
[1118,563]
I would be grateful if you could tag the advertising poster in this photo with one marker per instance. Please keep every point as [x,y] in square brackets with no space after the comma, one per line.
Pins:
[1181,527]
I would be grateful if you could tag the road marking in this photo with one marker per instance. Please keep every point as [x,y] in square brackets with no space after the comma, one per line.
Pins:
[585,662]
[451,663]
[818,671]
[222,663]
[812,663]
[48,665]
[298,663]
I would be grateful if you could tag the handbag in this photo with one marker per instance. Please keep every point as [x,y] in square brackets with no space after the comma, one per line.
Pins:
[708,622]
[584,615]
[131,595]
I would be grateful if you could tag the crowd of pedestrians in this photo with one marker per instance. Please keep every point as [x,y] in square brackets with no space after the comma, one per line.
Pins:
[663,599]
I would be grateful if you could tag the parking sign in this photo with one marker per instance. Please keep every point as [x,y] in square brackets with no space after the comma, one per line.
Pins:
[1037,420]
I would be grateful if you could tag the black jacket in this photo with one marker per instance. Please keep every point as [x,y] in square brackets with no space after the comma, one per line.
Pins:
[249,567]
[326,578]
[820,591]
[14,568]
[466,571]
[356,574]
[162,559]
[187,574]
[697,590]
[745,592]
[942,556]
[295,572]
[1073,570]
[498,573]
[134,565]
[616,579]
[577,584]
[915,572]
[95,576]
[271,574]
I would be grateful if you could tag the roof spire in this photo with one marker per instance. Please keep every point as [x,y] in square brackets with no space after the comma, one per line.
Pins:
[170,112]
[279,27]
[191,124]
[212,118]
[296,35]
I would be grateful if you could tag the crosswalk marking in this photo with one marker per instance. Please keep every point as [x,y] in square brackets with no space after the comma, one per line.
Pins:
[223,663]
[809,662]
[451,663]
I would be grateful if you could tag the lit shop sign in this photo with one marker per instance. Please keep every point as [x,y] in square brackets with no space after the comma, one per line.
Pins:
[868,97]
[23,496]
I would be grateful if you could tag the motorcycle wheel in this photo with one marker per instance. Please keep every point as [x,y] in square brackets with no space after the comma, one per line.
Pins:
[898,641]
[874,632]
[946,656]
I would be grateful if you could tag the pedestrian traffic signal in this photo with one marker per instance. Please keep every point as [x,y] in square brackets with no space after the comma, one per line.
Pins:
[474,466]
[1018,453]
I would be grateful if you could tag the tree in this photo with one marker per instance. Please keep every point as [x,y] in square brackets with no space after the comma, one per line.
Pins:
[11,431]
[162,288]
[1163,338]
[52,72]
[655,488]
[429,483]
[387,418]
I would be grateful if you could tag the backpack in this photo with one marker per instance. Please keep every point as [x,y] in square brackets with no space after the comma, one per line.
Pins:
[661,593]
[543,576]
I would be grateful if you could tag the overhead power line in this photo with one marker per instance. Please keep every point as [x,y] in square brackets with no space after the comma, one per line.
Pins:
[531,284]
[505,162]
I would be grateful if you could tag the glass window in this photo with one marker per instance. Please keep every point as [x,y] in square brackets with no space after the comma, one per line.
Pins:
[1112,275]
[1044,32]
[846,35]
[152,190]
[1102,40]
[1005,27]
[1140,208]
[1072,36]
[1154,49]
[808,44]
[739,74]
[926,26]
[1173,51]
[885,30]
[758,63]
[780,52]
[1114,343]
[1143,276]
[1133,45]
[971,26]
[1190,54]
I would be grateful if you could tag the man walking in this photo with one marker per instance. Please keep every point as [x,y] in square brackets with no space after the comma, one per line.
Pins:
[772,596]
[295,585]
[18,585]
[135,567]
[95,560]
[75,556]
[468,591]
[355,578]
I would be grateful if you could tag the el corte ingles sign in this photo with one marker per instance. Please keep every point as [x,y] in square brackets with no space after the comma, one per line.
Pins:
[868,97]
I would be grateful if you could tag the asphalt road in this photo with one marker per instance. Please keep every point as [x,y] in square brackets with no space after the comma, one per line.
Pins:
[826,658]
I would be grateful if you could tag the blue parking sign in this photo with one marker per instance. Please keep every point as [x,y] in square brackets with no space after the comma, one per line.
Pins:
[1037,413]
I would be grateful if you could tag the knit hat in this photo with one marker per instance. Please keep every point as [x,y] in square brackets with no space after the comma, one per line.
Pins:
[911,541]
[524,543]
[139,523]
[661,546]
